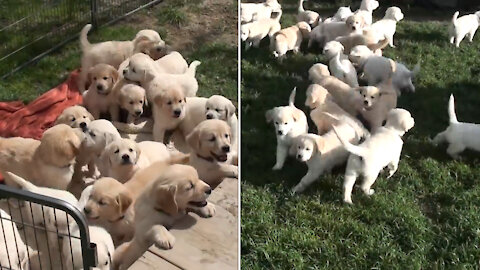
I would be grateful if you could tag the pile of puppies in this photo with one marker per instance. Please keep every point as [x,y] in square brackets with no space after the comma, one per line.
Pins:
[131,191]
[356,125]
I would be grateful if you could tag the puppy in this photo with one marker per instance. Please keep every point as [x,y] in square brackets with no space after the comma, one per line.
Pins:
[339,64]
[252,33]
[172,63]
[326,32]
[289,39]
[367,38]
[132,98]
[161,203]
[377,102]
[308,16]
[250,12]
[464,26]
[210,142]
[320,101]
[169,110]
[122,158]
[317,72]
[382,149]
[289,123]
[114,52]
[458,135]
[386,27]
[100,97]
[323,153]
[75,116]
[143,69]
[341,15]
[366,9]
[98,236]
[48,162]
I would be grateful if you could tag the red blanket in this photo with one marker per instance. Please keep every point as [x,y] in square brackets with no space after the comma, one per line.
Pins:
[30,121]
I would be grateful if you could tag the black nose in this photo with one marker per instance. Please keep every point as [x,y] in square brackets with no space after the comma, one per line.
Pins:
[209,116]
[138,112]
[87,210]
[209,191]
[125,157]
[280,133]
[299,156]
[365,102]
[124,71]
[353,27]
[99,87]
[83,125]
[226,148]
[177,112]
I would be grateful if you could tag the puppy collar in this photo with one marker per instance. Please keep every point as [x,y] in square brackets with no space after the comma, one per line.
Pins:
[209,159]
[118,219]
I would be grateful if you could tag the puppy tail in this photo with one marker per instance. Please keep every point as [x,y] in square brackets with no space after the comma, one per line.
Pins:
[192,69]
[454,18]
[354,149]
[451,110]
[83,37]
[378,46]
[14,180]
[179,158]
[291,99]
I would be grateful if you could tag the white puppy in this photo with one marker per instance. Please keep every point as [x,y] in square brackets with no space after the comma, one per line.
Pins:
[459,135]
[386,27]
[172,63]
[366,9]
[340,16]
[323,153]
[308,16]
[382,149]
[326,32]
[464,26]
[252,33]
[289,123]
[339,64]
[98,236]
[256,11]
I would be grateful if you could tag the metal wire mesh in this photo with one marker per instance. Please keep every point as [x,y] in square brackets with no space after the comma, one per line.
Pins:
[31,29]
[36,232]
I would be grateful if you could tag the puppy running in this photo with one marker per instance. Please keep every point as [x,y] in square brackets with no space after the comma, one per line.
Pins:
[464,26]
[386,27]
[289,39]
[252,33]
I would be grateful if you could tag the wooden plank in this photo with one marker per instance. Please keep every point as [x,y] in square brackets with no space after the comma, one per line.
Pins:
[151,261]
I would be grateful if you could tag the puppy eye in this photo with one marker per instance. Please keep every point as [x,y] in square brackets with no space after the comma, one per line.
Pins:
[105,78]
[133,70]
[169,103]
[276,123]
[106,263]
[102,203]
[212,139]
[226,135]
[208,108]
[285,123]
[117,151]
[130,149]
[372,97]
[191,186]
[159,49]
[73,119]
[84,116]
[308,149]
[299,147]
[141,101]
[180,101]
[364,96]
[217,110]
[131,102]
[92,134]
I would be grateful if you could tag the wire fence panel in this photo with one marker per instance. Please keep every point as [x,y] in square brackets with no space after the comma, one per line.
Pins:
[40,232]
[30,29]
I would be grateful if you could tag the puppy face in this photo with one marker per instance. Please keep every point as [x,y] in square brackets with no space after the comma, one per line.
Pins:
[219,107]
[60,145]
[211,139]
[244,32]
[304,28]
[139,68]
[283,119]
[177,188]
[75,116]
[132,97]
[104,256]
[355,22]
[98,135]
[122,152]
[102,78]
[171,102]
[370,95]
[304,147]
[316,95]
[400,119]
[395,13]
[108,200]
[332,48]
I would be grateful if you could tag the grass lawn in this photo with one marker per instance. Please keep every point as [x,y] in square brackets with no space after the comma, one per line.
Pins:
[427,216]
[177,22]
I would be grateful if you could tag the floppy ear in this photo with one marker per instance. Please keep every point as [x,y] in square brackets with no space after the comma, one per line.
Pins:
[109,137]
[138,151]
[269,115]
[123,200]
[90,75]
[319,143]
[193,139]
[296,114]
[60,119]
[114,74]
[165,199]
[145,100]
[230,110]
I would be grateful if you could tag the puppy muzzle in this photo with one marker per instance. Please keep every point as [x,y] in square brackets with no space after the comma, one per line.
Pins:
[209,116]
[83,126]
[177,113]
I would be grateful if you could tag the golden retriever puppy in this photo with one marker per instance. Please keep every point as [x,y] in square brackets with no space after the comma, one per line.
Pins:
[366,9]
[253,33]
[320,101]
[132,98]
[289,39]
[75,116]
[48,162]
[219,107]
[341,15]
[114,52]
[141,68]
[367,38]
[172,63]
[161,203]
[386,27]
[100,97]
[210,142]
[168,111]
[326,32]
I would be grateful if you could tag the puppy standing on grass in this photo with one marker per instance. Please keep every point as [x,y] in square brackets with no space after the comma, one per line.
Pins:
[308,16]
[289,39]
[464,26]
[380,150]
[339,64]
[252,33]
[458,135]
[289,123]
[326,32]
[366,9]
[386,27]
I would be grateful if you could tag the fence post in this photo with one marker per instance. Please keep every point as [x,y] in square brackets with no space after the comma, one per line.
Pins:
[93,12]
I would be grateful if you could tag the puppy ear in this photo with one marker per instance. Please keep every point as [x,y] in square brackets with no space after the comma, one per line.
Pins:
[109,138]
[90,116]
[193,139]
[296,114]
[230,110]
[90,76]
[114,74]
[145,100]
[269,115]
[320,144]
[165,199]
[60,119]
[123,201]
[158,99]
[138,151]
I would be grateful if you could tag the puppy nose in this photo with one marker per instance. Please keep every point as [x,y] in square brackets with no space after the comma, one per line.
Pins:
[280,132]
[177,112]
[87,210]
[99,87]
[138,112]
[226,148]
[208,191]
[125,157]
[83,126]
[209,116]
[365,102]
[299,156]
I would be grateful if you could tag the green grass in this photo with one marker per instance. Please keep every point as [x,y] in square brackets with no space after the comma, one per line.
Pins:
[425,217]
[173,16]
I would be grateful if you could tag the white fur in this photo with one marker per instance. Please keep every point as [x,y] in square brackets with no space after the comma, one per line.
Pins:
[308,16]
[366,9]
[252,33]
[464,26]
[386,27]
[250,12]
[340,16]
[339,64]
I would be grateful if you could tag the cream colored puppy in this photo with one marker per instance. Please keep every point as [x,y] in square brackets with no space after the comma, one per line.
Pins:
[458,135]
[48,162]
[339,65]
[141,68]
[382,149]
[320,101]
[172,63]
[367,37]
[386,27]
[466,25]
[252,33]
[323,153]
[114,52]
[326,32]
[132,98]
[317,72]
[168,111]
[366,9]
[75,116]
[377,102]
[98,236]
[289,39]
[289,123]
[211,155]
[100,97]
[164,201]
[250,12]
[341,15]
[308,16]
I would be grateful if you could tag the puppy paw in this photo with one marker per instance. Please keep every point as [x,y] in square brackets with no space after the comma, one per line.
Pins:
[165,240]
[298,189]
[348,201]
[207,211]
[369,192]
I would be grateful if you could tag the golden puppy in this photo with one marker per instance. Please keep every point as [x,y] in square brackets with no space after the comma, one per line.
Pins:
[162,202]
[210,142]
[367,38]
[169,110]
[75,116]
[289,39]
[48,162]
[132,98]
